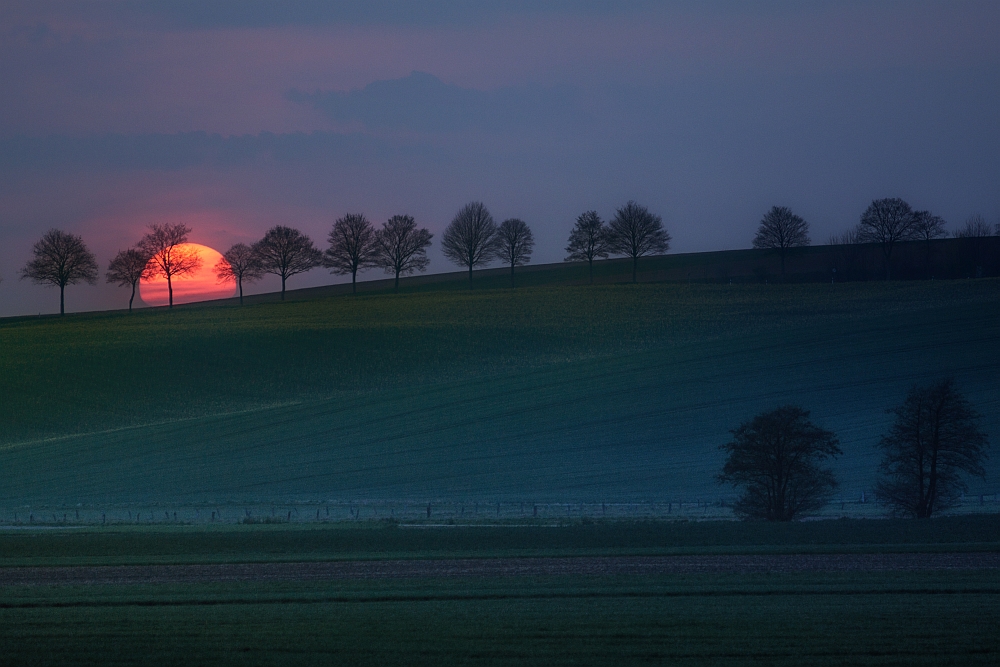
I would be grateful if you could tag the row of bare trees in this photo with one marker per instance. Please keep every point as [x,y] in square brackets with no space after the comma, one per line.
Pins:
[472,239]
[776,458]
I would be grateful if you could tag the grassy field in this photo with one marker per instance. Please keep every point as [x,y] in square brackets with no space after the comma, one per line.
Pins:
[886,617]
[816,619]
[538,394]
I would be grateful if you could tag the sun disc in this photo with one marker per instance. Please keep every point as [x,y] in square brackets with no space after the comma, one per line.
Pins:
[199,285]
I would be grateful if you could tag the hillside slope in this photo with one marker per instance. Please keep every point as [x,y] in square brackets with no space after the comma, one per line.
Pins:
[560,393]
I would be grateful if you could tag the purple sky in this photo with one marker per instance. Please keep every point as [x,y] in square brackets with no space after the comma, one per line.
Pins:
[235,116]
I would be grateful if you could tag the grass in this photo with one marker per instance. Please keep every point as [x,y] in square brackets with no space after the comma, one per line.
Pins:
[819,619]
[137,545]
[542,393]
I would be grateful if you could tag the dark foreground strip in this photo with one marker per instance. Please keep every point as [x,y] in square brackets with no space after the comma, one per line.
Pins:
[490,597]
[495,567]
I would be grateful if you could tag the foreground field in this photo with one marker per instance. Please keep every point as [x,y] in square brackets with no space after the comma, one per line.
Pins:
[547,394]
[826,593]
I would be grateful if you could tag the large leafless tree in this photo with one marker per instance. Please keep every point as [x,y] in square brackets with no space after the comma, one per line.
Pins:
[352,247]
[61,259]
[239,264]
[514,243]
[887,222]
[168,258]
[776,459]
[635,232]
[286,252]
[779,230]
[936,438]
[587,241]
[126,270]
[470,238]
[401,248]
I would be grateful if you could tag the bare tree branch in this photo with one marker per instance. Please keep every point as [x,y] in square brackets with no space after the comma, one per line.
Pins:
[168,259]
[514,243]
[470,238]
[780,229]
[126,270]
[61,259]
[239,264]
[286,252]
[635,232]
[352,247]
[886,222]
[587,241]
[401,248]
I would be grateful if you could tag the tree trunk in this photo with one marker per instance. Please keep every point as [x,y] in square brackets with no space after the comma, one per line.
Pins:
[240,283]
[591,262]
[512,275]
[396,288]
[62,300]
[354,281]
[131,298]
[470,275]
[782,255]
[282,287]
[170,292]
[635,269]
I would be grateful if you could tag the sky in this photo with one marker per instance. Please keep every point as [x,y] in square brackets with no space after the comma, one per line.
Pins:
[236,115]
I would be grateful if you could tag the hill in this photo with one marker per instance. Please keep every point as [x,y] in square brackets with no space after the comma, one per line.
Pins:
[566,393]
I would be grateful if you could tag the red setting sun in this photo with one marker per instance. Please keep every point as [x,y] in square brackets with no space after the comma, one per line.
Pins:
[199,285]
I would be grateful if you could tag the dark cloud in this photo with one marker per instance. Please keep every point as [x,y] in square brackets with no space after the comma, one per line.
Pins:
[421,102]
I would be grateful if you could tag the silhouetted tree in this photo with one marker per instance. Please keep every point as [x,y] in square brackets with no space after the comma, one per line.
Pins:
[975,227]
[239,264]
[936,437]
[126,270]
[352,247]
[587,241]
[780,229]
[470,238]
[514,244]
[886,222]
[167,259]
[973,236]
[401,248]
[775,458]
[635,232]
[926,228]
[61,259]
[286,252]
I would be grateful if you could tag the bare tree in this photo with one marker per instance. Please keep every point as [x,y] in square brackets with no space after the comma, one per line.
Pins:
[775,458]
[61,259]
[514,244]
[401,248]
[286,252]
[352,247]
[887,222]
[780,229]
[239,264]
[936,437]
[926,228]
[126,270]
[635,232]
[975,227]
[587,241]
[470,238]
[168,259]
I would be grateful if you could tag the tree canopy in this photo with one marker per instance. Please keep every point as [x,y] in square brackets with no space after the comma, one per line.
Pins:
[587,240]
[635,232]
[780,229]
[239,264]
[470,238]
[352,246]
[286,252]
[514,243]
[887,222]
[61,259]
[935,438]
[167,259]
[126,269]
[775,459]
[401,248]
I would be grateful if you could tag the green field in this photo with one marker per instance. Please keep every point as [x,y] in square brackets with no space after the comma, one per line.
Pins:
[886,617]
[540,394]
